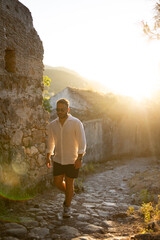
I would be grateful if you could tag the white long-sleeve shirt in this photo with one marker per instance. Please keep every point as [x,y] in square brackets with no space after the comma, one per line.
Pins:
[66,141]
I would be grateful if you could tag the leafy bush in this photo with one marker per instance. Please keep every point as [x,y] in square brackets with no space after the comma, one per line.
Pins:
[150,213]
[46,104]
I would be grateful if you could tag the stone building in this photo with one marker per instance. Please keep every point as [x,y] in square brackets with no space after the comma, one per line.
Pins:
[22,118]
[75,97]
[85,104]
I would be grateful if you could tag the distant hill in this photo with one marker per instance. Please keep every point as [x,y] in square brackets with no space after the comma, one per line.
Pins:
[62,77]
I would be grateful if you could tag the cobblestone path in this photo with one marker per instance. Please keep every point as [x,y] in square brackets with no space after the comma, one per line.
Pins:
[97,213]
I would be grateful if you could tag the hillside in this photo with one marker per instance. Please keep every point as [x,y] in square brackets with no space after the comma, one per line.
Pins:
[62,77]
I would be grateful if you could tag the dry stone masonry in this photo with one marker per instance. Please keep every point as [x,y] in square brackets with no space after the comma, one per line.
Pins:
[22,118]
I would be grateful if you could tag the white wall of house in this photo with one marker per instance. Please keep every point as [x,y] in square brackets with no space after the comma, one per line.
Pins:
[76,101]
[94,137]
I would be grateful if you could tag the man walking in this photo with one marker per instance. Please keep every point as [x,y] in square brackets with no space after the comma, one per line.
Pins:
[66,139]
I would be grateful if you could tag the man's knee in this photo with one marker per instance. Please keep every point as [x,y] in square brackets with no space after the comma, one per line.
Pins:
[58,180]
[69,181]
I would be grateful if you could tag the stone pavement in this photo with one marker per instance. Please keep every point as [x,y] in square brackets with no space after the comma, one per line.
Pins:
[97,213]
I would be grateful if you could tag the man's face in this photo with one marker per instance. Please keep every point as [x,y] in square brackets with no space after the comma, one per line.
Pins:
[62,110]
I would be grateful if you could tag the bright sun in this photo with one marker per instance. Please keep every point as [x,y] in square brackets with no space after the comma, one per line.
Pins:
[128,67]
[134,75]
[136,91]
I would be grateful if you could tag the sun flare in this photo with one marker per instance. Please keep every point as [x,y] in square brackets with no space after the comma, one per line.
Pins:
[138,89]
[133,75]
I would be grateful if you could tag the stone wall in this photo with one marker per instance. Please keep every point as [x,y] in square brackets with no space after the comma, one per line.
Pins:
[128,137]
[22,119]
[131,137]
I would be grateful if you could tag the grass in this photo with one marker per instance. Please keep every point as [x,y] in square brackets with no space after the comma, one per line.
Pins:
[146,196]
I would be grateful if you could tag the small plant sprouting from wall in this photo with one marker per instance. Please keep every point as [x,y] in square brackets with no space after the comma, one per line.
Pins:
[46,104]
[46,97]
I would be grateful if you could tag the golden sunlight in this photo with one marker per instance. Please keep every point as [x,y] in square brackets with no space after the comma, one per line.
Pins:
[138,92]
[134,75]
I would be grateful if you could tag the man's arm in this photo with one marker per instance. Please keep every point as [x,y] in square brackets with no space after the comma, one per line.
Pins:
[48,160]
[50,145]
[81,139]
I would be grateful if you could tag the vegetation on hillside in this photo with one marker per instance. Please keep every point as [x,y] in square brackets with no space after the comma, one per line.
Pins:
[63,77]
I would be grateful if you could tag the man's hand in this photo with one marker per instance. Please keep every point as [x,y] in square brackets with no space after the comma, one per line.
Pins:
[78,164]
[48,160]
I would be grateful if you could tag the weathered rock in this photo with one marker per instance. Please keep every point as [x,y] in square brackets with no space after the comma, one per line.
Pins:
[35,210]
[39,218]
[27,141]
[112,230]
[38,136]
[83,217]
[42,148]
[34,150]
[31,224]
[107,223]
[15,230]
[41,160]
[39,232]
[68,231]
[17,138]
[102,213]
[91,228]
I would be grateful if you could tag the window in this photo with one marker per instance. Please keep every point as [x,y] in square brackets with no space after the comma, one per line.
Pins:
[10,60]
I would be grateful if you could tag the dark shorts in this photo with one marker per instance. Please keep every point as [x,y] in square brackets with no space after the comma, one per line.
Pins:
[68,170]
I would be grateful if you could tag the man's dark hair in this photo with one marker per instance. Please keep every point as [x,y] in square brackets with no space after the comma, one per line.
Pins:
[63,101]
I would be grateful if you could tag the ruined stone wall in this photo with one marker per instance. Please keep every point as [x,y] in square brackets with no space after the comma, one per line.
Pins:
[128,137]
[22,119]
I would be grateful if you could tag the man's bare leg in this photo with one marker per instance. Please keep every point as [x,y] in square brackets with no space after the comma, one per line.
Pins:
[60,183]
[66,186]
[69,190]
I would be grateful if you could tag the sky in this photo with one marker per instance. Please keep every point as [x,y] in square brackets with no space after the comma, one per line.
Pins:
[102,40]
